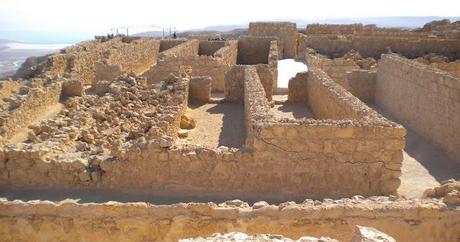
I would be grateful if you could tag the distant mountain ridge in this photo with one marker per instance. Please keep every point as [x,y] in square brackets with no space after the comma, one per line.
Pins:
[406,22]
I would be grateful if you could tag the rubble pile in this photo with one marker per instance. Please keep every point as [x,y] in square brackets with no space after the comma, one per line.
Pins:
[449,191]
[364,63]
[130,112]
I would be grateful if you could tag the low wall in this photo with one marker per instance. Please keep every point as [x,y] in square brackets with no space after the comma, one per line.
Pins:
[424,98]
[201,66]
[361,83]
[312,158]
[185,49]
[374,46]
[170,43]
[34,104]
[285,31]
[350,137]
[79,61]
[215,66]
[404,220]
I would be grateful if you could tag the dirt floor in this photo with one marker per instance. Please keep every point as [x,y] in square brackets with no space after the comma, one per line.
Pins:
[217,124]
[291,111]
[424,165]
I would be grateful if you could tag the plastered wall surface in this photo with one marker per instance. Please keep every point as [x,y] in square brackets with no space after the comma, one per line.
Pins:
[423,98]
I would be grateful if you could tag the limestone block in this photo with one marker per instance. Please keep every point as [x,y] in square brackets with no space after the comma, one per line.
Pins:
[72,88]
[367,234]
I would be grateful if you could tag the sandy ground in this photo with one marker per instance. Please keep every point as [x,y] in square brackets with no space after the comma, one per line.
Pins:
[50,113]
[287,69]
[220,124]
[291,111]
[424,165]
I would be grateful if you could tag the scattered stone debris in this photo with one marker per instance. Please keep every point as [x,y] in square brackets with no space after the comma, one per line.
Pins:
[449,191]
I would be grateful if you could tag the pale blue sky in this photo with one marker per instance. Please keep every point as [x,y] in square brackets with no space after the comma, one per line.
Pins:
[69,19]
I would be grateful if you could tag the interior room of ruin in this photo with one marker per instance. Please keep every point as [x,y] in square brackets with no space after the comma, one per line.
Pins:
[320,131]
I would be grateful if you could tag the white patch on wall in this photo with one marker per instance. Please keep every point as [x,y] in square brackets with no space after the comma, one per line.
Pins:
[287,69]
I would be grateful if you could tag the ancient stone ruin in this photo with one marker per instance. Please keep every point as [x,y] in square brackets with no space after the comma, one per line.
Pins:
[144,139]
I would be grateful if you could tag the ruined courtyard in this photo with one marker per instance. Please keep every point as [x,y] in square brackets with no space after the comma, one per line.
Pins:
[151,139]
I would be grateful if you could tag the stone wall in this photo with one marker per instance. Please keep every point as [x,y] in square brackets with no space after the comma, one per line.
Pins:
[228,54]
[404,220]
[374,46]
[423,98]
[137,57]
[186,49]
[297,88]
[285,31]
[166,44]
[350,137]
[201,66]
[215,66]
[234,84]
[78,62]
[200,88]
[361,83]
[8,87]
[254,50]
[210,47]
[37,100]
[312,158]
[338,28]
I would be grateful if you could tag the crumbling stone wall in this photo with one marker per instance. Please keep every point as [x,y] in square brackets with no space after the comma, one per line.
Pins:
[285,31]
[215,66]
[201,66]
[423,98]
[79,62]
[137,56]
[348,74]
[37,99]
[167,44]
[405,220]
[186,49]
[8,87]
[374,46]
[228,54]
[351,156]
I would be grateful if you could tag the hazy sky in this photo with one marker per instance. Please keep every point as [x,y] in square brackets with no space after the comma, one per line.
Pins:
[89,17]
